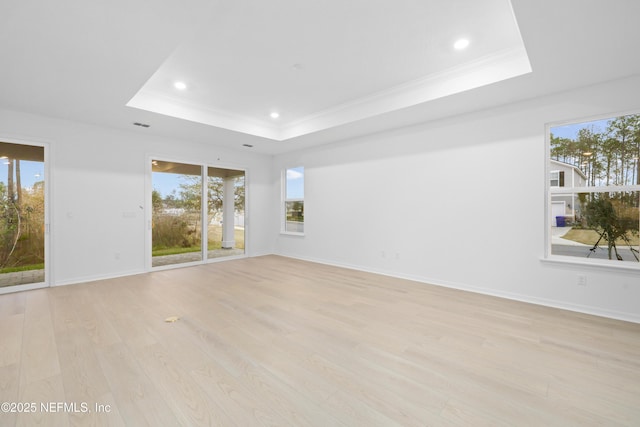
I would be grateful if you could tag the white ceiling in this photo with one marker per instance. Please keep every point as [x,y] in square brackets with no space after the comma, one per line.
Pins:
[332,69]
[322,64]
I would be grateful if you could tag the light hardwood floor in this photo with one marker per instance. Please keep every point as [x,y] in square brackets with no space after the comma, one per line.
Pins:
[272,341]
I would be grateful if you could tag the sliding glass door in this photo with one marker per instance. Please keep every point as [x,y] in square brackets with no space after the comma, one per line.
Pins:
[22,215]
[183,228]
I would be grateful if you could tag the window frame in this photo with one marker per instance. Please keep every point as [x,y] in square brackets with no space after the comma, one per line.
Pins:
[570,189]
[285,200]
[559,178]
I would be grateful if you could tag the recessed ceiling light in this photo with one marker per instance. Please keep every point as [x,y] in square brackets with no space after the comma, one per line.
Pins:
[274,115]
[180,85]
[461,44]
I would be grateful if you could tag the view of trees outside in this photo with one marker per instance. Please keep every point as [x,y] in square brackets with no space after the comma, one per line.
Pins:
[607,218]
[607,151]
[177,216]
[22,238]
[614,217]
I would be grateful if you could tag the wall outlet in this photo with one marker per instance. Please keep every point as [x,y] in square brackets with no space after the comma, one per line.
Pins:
[582,280]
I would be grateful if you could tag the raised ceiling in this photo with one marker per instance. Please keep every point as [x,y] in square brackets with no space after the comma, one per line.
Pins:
[332,69]
[322,64]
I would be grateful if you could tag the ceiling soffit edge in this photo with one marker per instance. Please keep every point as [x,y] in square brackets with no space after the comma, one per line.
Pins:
[501,65]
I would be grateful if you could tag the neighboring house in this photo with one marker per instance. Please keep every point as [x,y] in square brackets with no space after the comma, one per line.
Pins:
[566,205]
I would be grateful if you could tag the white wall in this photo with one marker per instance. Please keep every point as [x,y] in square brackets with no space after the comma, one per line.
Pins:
[457,202]
[425,202]
[98,174]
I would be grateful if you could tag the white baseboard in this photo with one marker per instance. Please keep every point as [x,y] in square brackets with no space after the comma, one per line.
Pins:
[563,305]
[84,279]
[96,278]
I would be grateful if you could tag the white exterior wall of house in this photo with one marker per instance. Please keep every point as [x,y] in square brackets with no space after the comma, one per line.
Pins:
[566,205]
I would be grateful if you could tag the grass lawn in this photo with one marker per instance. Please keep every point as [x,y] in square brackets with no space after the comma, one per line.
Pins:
[215,242]
[22,268]
[173,251]
[590,237]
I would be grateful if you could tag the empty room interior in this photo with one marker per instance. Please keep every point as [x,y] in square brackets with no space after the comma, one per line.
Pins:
[343,213]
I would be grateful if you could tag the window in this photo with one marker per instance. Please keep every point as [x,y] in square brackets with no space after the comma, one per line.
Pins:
[594,190]
[293,218]
[557,179]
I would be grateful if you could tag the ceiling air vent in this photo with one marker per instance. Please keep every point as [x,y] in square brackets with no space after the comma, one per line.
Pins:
[144,125]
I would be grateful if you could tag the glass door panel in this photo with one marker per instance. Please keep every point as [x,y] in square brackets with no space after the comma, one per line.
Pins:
[225,215]
[176,235]
[22,214]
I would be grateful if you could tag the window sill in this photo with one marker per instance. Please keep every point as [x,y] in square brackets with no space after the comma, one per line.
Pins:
[619,266]
[292,233]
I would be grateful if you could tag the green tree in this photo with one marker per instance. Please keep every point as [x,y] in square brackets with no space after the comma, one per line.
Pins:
[609,149]
[10,221]
[602,216]
[589,144]
[565,150]
[191,195]
[239,194]
[622,129]
[156,201]
[30,247]
[636,147]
